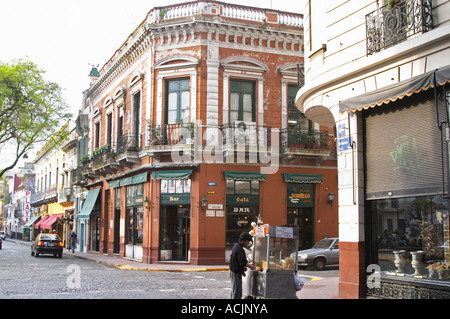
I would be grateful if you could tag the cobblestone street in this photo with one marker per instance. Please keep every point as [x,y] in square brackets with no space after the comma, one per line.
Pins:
[23,276]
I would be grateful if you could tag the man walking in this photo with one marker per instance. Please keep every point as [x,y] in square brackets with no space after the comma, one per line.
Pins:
[72,240]
[238,264]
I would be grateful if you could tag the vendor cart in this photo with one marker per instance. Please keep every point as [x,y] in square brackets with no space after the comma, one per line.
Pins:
[275,251]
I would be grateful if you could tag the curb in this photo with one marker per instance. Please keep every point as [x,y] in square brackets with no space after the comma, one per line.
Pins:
[95,258]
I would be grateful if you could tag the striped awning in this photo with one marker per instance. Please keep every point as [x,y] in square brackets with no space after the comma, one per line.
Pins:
[392,93]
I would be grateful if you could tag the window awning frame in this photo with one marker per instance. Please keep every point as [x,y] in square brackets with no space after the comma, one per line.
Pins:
[303,179]
[245,176]
[183,174]
[391,93]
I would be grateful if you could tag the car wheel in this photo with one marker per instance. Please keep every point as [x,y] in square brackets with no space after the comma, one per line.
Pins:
[319,264]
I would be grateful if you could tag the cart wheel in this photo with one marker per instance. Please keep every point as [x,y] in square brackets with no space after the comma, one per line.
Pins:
[319,263]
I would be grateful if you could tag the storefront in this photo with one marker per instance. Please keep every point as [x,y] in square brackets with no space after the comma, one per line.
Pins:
[406,189]
[242,203]
[89,222]
[175,215]
[300,205]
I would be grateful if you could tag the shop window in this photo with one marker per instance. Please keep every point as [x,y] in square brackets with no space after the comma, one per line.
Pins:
[242,208]
[410,237]
[175,186]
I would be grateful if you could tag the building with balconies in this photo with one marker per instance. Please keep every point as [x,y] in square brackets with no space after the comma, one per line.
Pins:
[193,135]
[379,72]
[53,199]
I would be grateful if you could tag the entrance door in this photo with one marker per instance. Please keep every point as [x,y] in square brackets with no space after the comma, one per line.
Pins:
[174,241]
[134,236]
[303,219]
[95,232]
[116,231]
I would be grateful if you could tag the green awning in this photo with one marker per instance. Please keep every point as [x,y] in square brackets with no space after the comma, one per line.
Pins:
[301,178]
[137,179]
[245,176]
[172,174]
[126,181]
[32,221]
[89,203]
[114,184]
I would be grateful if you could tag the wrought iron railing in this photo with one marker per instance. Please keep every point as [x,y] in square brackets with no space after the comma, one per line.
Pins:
[246,134]
[171,134]
[396,22]
[127,142]
[296,139]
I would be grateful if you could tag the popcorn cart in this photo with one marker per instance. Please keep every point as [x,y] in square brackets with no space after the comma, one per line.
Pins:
[275,251]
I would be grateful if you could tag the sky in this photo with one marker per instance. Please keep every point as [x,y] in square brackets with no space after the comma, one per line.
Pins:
[65,38]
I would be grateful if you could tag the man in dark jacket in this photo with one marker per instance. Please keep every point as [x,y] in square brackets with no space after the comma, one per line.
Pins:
[238,265]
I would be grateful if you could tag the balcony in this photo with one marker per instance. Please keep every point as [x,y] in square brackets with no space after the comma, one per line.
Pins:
[65,197]
[49,195]
[127,150]
[164,139]
[307,144]
[397,21]
[241,142]
[77,177]
[104,160]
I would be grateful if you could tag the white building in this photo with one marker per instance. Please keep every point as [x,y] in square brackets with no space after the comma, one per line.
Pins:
[378,71]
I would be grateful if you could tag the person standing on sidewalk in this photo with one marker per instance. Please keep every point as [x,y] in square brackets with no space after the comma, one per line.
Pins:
[73,239]
[238,265]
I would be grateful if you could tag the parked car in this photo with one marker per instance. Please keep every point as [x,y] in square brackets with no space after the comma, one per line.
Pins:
[2,235]
[47,244]
[324,253]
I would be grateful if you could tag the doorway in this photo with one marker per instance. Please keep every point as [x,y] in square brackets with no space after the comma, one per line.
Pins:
[174,238]
[303,219]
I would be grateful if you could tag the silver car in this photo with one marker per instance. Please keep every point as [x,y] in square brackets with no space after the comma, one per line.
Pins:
[324,253]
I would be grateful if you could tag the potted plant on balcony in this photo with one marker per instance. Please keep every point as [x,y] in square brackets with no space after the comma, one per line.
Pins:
[156,132]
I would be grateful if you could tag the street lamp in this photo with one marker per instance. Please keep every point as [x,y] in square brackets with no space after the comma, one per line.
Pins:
[204,202]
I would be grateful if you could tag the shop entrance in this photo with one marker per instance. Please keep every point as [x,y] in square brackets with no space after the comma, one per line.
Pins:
[174,238]
[303,219]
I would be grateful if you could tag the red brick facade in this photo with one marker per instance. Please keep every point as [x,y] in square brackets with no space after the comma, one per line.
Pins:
[169,101]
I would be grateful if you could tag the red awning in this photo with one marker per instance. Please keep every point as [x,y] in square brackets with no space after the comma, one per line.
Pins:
[43,219]
[50,221]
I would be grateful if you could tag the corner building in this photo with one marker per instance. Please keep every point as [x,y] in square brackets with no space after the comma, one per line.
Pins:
[191,134]
[379,72]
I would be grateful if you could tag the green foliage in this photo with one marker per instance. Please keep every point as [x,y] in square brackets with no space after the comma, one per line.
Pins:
[32,110]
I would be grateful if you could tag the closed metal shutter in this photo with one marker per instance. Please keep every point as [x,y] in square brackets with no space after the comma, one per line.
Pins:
[403,148]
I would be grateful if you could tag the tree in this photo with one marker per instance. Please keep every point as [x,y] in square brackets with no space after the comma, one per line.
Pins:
[31,110]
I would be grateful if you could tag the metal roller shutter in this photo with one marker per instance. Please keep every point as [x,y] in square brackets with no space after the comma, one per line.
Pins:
[403,148]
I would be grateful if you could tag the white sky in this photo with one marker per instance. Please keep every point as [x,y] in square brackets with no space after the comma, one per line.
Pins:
[64,37]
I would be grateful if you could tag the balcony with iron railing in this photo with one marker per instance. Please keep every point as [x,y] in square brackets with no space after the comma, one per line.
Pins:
[47,195]
[312,144]
[237,139]
[397,21]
